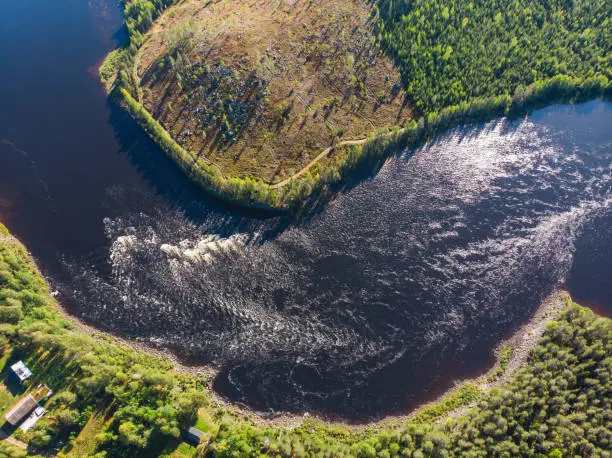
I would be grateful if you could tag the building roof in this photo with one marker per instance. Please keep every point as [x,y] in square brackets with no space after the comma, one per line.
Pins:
[21,409]
[42,392]
[193,435]
[21,371]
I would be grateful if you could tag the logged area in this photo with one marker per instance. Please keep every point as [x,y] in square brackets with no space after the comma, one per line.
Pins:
[261,88]
[271,104]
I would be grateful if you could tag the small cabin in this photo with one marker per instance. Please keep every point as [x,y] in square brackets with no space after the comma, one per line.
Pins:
[193,435]
[21,371]
[21,409]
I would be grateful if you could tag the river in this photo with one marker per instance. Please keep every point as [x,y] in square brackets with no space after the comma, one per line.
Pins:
[402,284]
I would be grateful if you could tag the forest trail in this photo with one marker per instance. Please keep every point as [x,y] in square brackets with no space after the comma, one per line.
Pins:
[11,440]
[324,153]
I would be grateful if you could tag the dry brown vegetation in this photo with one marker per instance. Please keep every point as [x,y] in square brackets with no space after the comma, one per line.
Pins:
[260,88]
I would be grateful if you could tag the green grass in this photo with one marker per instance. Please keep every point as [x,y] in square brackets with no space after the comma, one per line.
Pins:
[205,422]
[184,450]
[87,441]
[464,395]
[6,399]
[6,354]
[505,354]
[10,451]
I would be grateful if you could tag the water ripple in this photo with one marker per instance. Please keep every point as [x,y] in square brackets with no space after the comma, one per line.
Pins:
[402,283]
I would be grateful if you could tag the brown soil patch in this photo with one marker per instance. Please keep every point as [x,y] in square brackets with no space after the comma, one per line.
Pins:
[261,88]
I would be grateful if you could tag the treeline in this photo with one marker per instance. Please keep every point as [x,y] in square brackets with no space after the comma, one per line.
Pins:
[116,71]
[451,51]
[247,192]
[139,16]
[146,403]
[559,405]
[322,178]
[558,89]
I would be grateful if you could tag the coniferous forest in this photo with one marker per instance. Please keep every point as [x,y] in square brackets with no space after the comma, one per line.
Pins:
[451,51]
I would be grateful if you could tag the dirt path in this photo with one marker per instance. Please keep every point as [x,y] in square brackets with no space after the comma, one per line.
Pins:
[280,184]
[11,440]
[324,153]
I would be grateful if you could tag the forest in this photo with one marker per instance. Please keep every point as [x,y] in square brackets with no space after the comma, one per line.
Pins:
[451,51]
[114,401]
[144,403]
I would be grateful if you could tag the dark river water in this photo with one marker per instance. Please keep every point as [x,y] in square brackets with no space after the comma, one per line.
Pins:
[402,284]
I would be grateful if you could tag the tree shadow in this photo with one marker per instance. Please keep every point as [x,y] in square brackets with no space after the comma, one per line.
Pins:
[168,180]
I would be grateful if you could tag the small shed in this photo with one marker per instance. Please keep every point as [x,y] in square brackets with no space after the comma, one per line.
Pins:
[193,435]
[21,409]
[21,371]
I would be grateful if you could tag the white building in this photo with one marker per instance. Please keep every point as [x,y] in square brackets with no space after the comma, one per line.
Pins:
[21,371]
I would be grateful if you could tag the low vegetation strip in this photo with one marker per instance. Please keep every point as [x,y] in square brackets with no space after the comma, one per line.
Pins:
[558,404]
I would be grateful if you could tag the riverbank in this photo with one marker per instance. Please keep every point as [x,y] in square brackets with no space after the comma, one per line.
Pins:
[451,403]
[121,371]
[320,178]
[316,182]
[267,146]
[510,356]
